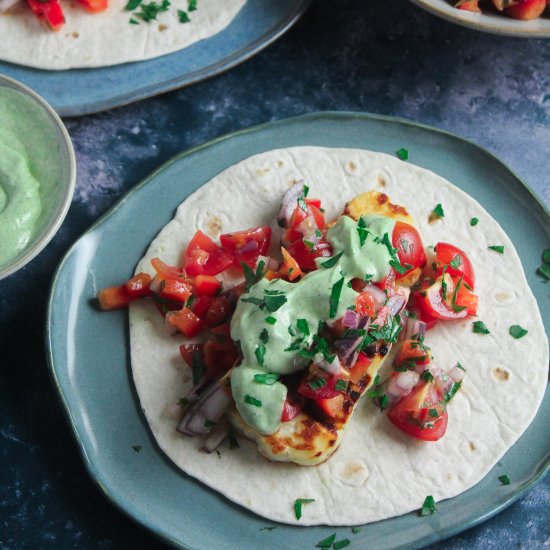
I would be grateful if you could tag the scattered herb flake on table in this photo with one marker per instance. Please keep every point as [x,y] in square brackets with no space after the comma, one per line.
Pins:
[326,543]
[341,544]
[504,479]
[517,331]
[544,269]
[137,448]
[356,530]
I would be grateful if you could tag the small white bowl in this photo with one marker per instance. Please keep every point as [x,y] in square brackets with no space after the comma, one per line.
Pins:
[494,23]
[56,207]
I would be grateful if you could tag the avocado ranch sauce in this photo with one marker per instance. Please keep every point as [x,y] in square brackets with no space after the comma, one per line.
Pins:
[28,170]
[276,320]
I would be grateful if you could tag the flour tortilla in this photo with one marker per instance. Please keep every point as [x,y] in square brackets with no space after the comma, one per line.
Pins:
[378,472]
[107,38]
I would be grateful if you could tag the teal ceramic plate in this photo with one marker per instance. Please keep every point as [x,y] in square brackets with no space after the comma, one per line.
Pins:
[489,21]
[79,92]
[89,356]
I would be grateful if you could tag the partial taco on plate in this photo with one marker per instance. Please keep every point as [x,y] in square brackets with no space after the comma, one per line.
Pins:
[335,324]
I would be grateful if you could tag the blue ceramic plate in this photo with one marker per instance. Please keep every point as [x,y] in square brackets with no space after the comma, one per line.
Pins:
[89,356]
[78,92]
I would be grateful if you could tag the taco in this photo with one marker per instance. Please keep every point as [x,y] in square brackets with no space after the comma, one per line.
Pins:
[97,33]
[378,471]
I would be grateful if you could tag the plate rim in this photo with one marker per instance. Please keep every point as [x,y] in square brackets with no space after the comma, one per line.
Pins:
[95,473]
[216,68]
[481,22]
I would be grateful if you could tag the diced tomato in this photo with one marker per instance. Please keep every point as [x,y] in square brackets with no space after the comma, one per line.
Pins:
[245,246]
[421,413]
[364,304]
[206,285]
[113,297]
[431,302]
[469,5]
[138,286]
[51,11]
[219,358]
[185,321]
[218,311]
[270,275]
[290,267]
[314,207]
[332,407]
[201,305]
[465,298]
[222,333]
[414,352]
[292,407]
[305,256]
[175,290]
[447,253]
[309,389]
[204,257]
[187,351]
[95,5]
[360,368]
[410,250]
[166,271]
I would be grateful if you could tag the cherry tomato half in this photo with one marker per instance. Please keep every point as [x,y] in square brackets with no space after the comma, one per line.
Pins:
[460,266]
[410,250]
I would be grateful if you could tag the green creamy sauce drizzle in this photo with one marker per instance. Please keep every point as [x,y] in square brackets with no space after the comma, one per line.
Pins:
[309,300]
[28,170]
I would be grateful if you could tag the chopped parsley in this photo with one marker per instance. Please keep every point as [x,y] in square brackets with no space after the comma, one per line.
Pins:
[274,299]
[480,328]
[251,277]
[340,385]
[544,269]
[306,190]
[335,297]
[264,336]
[268,379]
[183,17]
[271,320]
[317,383]
[427,376]
[400,268]
[356,530]
[362,231]
[326,543]
[474,222]
[132,5]
[303,326]
[298,505]
[196,366]
[497,248]
[454,305]
[260,354]
[504,479]
[456,262]
[191,5]
[303,205]
[546,256]
[433,413]
[402,154]
[437,213]
[150,11]
[137,448]
[428,508]
[134,21]
[252,401]
[517,331]
[341,544]
[455,386]
[332,261]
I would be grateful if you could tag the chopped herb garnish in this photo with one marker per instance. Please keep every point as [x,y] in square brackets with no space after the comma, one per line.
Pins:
[150,11]
[433,413]
[546,256]
[362,231]
[134,21]
[438,212]
[260,353]
[270,320]
[196,366]
[402,154]
[428,508]
[251,277]
[264,336]
[356,530]
[455,386]
[302,204]
[454,305]
[137,448]
[267,379]
[274,302]
[504,479]
[331,262]
[459,366]
[317,383]
[340,385]
[427,375]
[303,326]
[456,262]
[383,401]
[400,268]
[474,222]
[309,244]
[298,505]
[517,332]
[292,330]
[191,5]
[544,271]
[295,346]
[326,543]
[480,328]
[306,190]
[252,300]
[497,248]
[132,5]
[183,17]
[232,438]
[335,297]
[252,401]
[341,544]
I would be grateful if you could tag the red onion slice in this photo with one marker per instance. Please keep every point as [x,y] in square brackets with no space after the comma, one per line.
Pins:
[402,384]
[457,373]
[289,202]
[351,319]
[414,327]
[6,5]
[216,437]
[378,294]
[398,301]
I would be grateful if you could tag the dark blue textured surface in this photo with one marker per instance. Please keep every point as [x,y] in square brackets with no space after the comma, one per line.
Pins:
[387,57]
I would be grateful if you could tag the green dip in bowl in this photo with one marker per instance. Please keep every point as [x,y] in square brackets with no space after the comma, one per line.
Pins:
[37,174]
